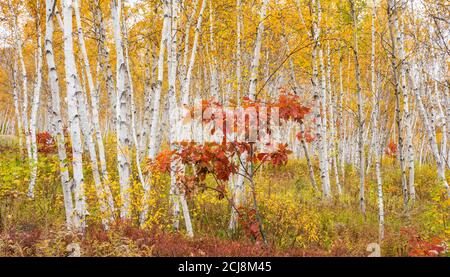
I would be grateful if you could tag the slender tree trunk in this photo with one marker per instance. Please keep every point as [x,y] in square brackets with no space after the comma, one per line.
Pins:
[213,64]
[430,131]
[105,69]
[56,111]
[146,123]
[333,138]
[407,118]
[254,70]
[360,113]
[319,95]
[188,77]
[16,97]
[88,129]
[122,110]
[144,182]
[165,33]
[24,115]
[35,107]
[379,190]
[178,195]
[239,27]
[72,88]
[393,22]
[341,140]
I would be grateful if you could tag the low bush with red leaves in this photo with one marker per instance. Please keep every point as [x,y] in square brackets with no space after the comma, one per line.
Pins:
[420,247]
[46,143]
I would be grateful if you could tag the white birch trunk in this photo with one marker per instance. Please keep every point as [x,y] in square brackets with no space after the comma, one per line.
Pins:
[214,88]
[174,117]
[393,30]
[35,107]
[94,94]
[379,189]
[319,101]
[360,114]
[238,51]
[407,118]
[16,97]
[88,130]
[72,88]
[157,94]
[333,138]
[187,81]
[24,115]
[254,69]
[257,52]
[430,129]
[122,127]
[56,111]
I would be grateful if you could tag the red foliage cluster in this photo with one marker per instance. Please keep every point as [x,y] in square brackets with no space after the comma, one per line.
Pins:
[309,137]
[419,247]
[291,108]
[219,158]
[276,158]
[215,159]
[208,158]
[391,149]
[248,221]
[433,248]
[46,143]
[162,161]
[288,105]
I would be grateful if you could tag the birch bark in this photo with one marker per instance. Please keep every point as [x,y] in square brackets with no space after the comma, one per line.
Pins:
[19,45]
[407,116]
[158,86]
[94,94]
[393,30]
[178,195]
[89,130]
[360,113]
[16,97]
[319,99]
[254,70]
[238,51]
[35,107]
[188,77]
[122,110]
[430,128]
[56,111]
[72,88]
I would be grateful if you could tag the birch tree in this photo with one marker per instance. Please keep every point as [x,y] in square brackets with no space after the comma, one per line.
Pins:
[16,99]
[407,115]
[56,111]
[88,129]
[158,86]
[73,89]
[319,98]
[24,75]
[392,10]
[360,111]
[35,106]
[122,107]
[254,70]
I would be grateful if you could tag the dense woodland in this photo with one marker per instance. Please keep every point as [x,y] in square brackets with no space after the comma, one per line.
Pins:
[94,96]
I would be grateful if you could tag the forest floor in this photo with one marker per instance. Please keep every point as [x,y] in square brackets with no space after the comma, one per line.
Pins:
[296,220]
